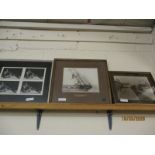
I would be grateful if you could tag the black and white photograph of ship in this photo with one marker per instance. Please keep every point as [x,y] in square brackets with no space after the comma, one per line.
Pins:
[8,87]
[11,73]
[134,88]
[80,80]
[31,88]
[34,74]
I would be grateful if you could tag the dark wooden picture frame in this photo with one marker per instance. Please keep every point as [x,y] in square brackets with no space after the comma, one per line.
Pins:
[132,87]
[25,81]
[91,83]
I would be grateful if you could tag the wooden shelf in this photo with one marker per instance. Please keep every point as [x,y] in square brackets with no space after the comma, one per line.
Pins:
[77,106]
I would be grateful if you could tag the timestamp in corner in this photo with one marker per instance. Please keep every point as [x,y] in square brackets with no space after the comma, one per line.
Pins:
[133,118]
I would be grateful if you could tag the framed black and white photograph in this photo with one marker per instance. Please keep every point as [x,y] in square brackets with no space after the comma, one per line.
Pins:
[132,87]
[29,82]
[80,81]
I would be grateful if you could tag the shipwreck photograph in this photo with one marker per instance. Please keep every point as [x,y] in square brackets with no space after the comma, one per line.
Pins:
[80,80]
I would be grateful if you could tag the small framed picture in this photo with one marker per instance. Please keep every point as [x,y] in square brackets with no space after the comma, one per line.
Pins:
[25,81]
[80,81]
[132,87]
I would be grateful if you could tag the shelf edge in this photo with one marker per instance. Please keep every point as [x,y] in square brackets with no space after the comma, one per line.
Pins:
[77,106]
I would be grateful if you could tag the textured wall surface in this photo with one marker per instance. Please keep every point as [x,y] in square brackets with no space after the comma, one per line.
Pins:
[123,51]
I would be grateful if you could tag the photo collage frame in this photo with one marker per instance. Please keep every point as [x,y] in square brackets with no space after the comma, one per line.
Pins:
[29,82]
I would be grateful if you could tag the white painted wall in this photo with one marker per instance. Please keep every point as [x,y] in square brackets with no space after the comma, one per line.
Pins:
[126,51]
